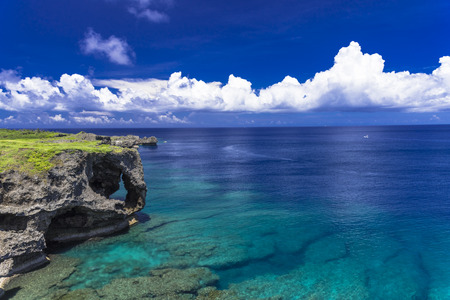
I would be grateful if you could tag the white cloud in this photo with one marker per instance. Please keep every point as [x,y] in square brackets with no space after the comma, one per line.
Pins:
[147,3]
[8,120]
[443,72]
[28,93]
[92,119]
[96,113]
[100,120]
[149,14]
[356,82]
[115,49]
[171,118]
[145,9]
[9,76]
[57,118]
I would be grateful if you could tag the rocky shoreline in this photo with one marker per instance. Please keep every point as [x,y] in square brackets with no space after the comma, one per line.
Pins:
[70,202]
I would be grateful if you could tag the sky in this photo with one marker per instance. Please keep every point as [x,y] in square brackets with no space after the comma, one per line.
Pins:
[208,63]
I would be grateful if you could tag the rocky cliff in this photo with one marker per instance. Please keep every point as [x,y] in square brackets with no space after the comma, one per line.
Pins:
[70,201]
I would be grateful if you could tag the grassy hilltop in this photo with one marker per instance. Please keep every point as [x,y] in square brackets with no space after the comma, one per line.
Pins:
[32,151]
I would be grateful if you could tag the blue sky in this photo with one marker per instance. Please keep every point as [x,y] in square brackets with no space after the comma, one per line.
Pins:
[170,63]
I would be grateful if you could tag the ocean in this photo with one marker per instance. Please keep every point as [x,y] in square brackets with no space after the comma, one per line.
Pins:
[293,213]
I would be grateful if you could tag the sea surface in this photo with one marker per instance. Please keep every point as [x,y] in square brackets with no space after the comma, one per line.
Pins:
[298,213]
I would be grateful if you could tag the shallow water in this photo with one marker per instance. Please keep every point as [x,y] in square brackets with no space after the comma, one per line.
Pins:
[319,213]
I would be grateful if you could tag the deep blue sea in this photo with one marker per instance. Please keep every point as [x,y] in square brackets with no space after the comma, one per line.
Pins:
[301,213]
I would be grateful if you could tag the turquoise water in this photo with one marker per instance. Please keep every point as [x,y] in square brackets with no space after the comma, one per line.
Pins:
[300,213]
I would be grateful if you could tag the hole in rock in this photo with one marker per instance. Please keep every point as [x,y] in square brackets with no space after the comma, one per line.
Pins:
[74,218]
[68,223]
[109,181]
[132,197]
[70,227]
[121,193]
[105,179]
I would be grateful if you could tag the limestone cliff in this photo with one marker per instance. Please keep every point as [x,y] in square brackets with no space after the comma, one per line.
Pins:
[69,202]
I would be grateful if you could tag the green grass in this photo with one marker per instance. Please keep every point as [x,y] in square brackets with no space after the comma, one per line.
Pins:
[9,134]
[34,151]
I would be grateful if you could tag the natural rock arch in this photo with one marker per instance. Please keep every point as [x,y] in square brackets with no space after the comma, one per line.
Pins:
[71,202]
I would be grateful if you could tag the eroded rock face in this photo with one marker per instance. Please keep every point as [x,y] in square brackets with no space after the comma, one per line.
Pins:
[70,202]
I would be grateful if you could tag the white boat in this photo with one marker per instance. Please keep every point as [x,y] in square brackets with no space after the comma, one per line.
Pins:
[366,136]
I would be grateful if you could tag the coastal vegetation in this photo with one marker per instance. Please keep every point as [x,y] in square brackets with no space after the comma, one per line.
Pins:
[34,151]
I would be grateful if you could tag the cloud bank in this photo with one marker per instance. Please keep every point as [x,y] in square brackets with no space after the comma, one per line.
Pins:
[356,82]
[116,50]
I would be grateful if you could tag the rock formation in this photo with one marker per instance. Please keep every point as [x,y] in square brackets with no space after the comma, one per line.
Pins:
[151,141]
[130,141]
[70,202]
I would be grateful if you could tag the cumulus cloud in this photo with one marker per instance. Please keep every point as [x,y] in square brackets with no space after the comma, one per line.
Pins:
[115,49]
[28,93]
[171,119]
[11,76]
[356,82]
[57,118]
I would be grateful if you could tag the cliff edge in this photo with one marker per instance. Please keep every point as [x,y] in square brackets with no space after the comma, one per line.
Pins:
[57,188]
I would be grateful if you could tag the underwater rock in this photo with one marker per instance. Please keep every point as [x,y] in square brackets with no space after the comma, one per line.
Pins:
[325,249]
[44,282]
[161,284]
[188,250]
[80,294]
[209,293]
[69,202]
[389,281]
